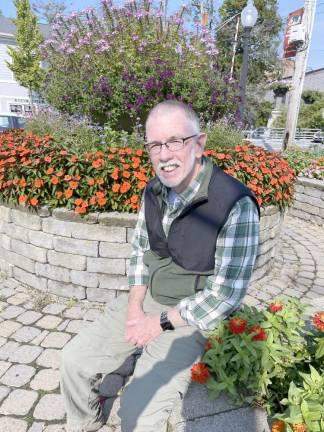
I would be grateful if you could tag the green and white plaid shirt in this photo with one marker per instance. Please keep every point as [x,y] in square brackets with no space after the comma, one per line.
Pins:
[236,250]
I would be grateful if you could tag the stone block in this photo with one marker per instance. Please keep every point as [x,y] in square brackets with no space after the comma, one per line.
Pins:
[11,312]
[306,207]
[26,220]
[106,265]
[50,407]
[73,262]
[113,283]
[114,250]
[49,322]
[130,234]
[7,328]
[18,375]
[29,251]
[76,246]
[16,232]
[50,358]
[293,211]
[10,424]
[99,232]
[18,260]
[41,239]
[19,402]
[56,340]
[5,241]
[313,192]
[30,279]
[46,380]
[25,354]
[127,220]
[5,213]
[43,212]
[69,215]
[57,227]
[66,290]
[7,349]
[299,188]
[84,278]
[52,272]
[100,295]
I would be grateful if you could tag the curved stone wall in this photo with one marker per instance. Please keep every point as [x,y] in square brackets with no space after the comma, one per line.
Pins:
[61,253]
[309,200]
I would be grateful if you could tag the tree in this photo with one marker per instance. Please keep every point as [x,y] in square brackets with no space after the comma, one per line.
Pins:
[47,10]
[26,57]
[264,38]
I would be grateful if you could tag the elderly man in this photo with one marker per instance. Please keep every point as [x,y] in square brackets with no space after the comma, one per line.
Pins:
[194,248]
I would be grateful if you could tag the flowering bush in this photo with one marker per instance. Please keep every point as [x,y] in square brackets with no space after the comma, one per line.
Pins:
[315,170]
[38,171]
[114,66]
[269,358]
[305,162]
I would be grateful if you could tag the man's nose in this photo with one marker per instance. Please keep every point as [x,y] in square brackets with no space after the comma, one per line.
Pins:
[165,153]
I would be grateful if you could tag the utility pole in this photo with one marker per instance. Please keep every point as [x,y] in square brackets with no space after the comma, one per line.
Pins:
[299,75]
[234,46]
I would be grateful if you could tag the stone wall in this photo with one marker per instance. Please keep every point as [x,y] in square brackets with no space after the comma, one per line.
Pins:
[309,200]
[61,253]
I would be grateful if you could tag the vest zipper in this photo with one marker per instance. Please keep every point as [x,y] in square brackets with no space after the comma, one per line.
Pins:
[196,283]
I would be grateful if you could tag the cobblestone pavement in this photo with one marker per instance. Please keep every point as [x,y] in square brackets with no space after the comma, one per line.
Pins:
[35,327]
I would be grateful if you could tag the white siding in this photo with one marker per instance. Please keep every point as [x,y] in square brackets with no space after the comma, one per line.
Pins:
[5,72]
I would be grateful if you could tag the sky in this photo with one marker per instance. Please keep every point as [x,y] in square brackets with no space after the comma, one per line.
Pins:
[316,54]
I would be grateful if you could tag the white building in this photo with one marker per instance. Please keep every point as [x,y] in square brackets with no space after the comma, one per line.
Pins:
[13,97]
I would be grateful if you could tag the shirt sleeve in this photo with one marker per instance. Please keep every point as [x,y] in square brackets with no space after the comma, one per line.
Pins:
[236,251]
[137,270]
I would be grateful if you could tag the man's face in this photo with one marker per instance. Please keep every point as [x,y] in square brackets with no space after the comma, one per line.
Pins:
[177,168]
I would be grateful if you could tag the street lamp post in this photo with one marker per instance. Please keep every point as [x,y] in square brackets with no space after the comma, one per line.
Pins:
[249,17]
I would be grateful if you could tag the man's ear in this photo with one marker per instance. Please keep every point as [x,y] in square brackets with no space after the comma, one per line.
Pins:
[200,146]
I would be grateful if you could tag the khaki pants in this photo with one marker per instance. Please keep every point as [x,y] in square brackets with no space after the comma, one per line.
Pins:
[161,372]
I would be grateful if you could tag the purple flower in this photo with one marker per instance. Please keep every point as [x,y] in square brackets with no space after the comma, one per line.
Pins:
[103,87]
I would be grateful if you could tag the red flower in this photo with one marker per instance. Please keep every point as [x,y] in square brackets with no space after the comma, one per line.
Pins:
[125,187]
[318,320]
[259,333]
[34,201]
[22,199]
[275,307]
[68,193]
[208,345]
[55,180]
[39,183]
[97,163]
[237,325]
[115,187]
[80,210]
[199,373]
[73,184]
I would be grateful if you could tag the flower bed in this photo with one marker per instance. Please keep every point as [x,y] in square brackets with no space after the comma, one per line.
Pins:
[37,171]
[272,359]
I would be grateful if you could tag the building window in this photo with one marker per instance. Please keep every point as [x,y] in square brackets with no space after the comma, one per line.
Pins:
[27,109]
[15,108]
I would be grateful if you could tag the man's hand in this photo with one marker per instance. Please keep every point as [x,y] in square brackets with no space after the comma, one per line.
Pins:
[140,331]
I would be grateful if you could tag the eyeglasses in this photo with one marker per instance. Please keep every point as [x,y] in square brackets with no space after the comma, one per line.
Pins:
[173,145]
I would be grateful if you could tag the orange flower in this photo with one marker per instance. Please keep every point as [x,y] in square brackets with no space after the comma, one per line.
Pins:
[22,199]
[126,166]
[126,174]
[92,200]
[100,194]
[278,426]
[299,427]
[318,320]
[73,184]
[97,163]
[134,199]
[115,187]
[63,152]
[47,159]
[237,325]
[111,156]
[139,152]
[91,181]
[50,170]
[99,153]
[22,183]
[59,174]
[275,307]
[114,175]
[55,180]
[100,181]
[259,333]
[102,201]
[80,210]
[199,373]
[141,185]
[39,183]
[34,201]
[125,187]
[67,177]
[68,193]
[208,345]
[76,177]
[59,195]
[73,158]
[78,201]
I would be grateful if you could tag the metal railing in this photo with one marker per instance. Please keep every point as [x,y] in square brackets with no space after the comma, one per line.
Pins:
[272,138]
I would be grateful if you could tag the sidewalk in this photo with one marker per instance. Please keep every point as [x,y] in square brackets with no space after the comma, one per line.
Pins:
[34,327]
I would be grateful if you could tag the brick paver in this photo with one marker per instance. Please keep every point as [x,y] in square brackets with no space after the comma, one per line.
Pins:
[31,340]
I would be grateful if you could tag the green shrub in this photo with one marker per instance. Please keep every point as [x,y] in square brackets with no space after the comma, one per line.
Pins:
[222,135]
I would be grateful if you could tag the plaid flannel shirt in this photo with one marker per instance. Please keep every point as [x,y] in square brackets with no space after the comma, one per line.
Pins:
[236,250]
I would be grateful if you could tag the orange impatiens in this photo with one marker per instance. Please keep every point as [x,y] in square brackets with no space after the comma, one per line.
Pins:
[199,373]
[318,320]
[55,176]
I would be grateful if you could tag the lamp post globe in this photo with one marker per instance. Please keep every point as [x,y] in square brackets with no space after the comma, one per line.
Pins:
[249,16]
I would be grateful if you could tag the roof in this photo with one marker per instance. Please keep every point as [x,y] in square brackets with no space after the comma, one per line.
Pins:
[8,27]
[310,72]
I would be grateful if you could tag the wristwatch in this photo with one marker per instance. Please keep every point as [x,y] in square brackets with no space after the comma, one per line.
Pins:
[165,323]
